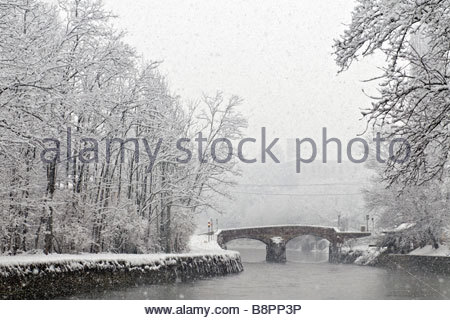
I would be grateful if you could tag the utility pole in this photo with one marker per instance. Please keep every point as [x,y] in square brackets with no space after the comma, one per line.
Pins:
[367,223]
[209,230]
[212,228]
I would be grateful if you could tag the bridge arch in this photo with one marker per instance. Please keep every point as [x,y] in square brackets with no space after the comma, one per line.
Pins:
[305,242]
[229,239]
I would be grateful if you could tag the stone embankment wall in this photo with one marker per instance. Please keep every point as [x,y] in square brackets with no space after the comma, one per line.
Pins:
[47,280]
[427,264]
[414,263]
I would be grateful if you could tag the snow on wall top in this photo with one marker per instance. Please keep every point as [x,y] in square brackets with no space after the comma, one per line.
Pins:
[198,244]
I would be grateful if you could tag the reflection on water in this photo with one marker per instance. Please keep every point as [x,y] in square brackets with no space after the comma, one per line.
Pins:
[304,276]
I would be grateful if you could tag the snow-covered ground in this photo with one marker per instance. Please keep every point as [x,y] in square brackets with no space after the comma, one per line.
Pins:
[30,259]
[201,244]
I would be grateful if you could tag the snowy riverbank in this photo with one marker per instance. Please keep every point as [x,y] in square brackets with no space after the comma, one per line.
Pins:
[57,275]
[361,255]
[426,259]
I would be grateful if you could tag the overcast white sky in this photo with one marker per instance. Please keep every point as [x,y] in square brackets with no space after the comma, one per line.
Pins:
[274,54]
[277,56]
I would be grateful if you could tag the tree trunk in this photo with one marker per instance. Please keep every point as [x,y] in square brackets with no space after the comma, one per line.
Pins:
[51,186]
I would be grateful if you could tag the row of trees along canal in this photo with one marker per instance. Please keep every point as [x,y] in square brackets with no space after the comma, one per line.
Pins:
[64,66]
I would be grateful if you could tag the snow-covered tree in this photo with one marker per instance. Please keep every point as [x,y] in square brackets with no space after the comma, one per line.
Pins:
[412,216]
[413,101]
[66,74]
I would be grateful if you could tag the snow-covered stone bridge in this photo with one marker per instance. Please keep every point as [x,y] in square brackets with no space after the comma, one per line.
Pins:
[276,237]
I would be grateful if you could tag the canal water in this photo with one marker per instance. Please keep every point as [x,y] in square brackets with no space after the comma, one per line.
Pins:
[304,276]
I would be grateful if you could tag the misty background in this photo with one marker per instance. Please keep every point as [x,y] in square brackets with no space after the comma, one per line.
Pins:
[277,56]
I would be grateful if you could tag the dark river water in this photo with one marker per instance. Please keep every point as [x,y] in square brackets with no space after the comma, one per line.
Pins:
[304,276]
